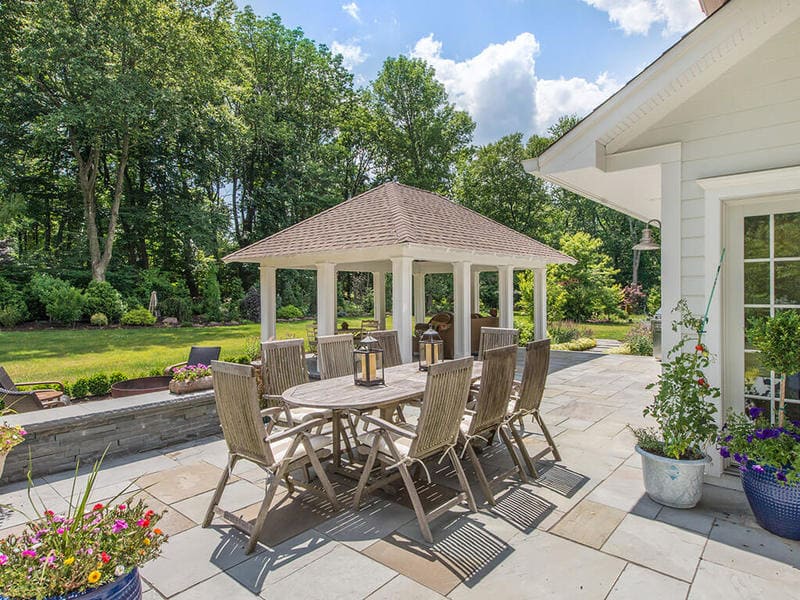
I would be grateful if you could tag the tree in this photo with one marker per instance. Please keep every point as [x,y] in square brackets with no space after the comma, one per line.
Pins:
[97,79]
[421,134]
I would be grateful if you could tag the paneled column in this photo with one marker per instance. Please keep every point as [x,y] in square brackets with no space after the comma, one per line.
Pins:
[266,276]
[540,303]
[326,299]
[379,298]
[505,282]
[462,282]
[402,272]
[476,291]
[419,298]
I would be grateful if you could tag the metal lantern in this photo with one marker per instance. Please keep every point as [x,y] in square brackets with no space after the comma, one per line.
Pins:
[431,349]
[368,362]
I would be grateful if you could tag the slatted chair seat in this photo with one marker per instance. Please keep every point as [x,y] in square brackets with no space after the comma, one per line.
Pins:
[488,417]
[527,399]
[370,438]
[320,444]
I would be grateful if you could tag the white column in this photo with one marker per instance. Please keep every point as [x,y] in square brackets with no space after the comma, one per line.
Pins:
[540,303]
[419,298]
[462,272]
[266,277]
[505,282]
[671,252]
[402,273]
[476,291]
[379,298]
[326,299]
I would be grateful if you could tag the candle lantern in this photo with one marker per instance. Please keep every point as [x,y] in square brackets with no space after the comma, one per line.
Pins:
[431,349]
[368,362]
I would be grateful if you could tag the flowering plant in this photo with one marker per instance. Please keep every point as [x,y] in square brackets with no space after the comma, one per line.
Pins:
[754,444]
[10,435]
[84,548]
[680,408]
[191,372]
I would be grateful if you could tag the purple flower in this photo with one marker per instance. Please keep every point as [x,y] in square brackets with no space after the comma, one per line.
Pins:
[727,438]
[724,452]
[738,457]
[781,476]
[754,412]
[749,438]
[28,552]
[119,525]
[758,468]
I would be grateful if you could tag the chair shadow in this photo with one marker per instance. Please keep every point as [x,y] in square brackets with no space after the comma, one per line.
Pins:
[560,479]
[522,509]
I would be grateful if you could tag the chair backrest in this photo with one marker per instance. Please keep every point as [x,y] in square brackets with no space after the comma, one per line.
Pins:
[496,337]
[203,355]
[388,341]
[335,355]
[20,402]
[534,375]
[370,325]
[311,336]
[497,379]
[443,405]
[6,382]
[236,395]
[284,365]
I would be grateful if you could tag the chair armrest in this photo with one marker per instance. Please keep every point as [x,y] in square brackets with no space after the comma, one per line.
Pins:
[304,427]
[273,411]
[387,426]
[168,370]
[29,383]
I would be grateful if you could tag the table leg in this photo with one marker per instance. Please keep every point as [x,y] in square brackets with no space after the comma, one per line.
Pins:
[336,424]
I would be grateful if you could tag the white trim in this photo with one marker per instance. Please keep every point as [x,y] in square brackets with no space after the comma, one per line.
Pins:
[505,283]
[266,276]
[540,303]
[634,159]
[671,208]
[476,291]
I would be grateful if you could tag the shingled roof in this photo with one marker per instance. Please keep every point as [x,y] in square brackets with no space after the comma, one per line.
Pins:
[395,214]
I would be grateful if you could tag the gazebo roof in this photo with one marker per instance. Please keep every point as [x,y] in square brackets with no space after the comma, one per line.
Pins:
[394,215]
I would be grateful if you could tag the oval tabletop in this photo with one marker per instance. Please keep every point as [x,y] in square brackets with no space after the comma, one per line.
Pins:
[403,383]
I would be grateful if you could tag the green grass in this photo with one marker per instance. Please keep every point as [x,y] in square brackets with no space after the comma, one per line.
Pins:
[606,331]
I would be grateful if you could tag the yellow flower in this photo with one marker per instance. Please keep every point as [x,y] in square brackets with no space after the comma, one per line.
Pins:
[69,561]
[94,576]
[146,541]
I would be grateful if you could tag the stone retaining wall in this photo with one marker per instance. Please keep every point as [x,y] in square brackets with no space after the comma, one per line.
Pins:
[58,437]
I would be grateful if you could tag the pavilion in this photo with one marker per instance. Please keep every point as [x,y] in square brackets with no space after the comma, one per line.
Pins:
[408,232]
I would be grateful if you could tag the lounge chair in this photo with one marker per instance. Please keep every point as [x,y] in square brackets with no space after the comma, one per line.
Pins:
[21,401]
[198,355]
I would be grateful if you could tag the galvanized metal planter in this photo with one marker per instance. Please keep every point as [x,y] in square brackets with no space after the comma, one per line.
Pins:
[671,482]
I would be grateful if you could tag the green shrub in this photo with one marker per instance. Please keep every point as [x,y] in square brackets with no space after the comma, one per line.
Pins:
[101,297]
[116,377]
[349,309]
[639,340]
[98,320]
[12,304]
[138,317]
[289,311]
[179,307]
[654,300]
[578,345]
[526,333]
[80,388]
[251,304]
[562,332]
[212,296]
[98,384]
[230,310]
[62,302]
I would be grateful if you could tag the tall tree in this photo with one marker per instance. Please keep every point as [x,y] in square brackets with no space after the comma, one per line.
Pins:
[420,132]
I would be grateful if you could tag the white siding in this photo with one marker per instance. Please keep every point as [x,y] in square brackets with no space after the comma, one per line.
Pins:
[746,120]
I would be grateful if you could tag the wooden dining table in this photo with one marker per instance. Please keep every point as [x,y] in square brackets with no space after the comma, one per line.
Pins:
[403,383]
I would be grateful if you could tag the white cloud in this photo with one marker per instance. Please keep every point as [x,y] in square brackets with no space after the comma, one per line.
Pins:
[498,87]
[638,16]
[352,54]
[352,9]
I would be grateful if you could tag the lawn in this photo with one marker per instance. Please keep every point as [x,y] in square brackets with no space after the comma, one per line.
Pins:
[66,354]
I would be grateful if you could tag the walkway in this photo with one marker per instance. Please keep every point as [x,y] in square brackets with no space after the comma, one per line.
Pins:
[585,529]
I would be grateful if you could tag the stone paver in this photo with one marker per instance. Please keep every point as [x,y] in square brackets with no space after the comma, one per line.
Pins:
[584,529]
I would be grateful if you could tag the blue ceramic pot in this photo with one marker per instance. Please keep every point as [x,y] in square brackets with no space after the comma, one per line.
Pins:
[776,506]
[127,587]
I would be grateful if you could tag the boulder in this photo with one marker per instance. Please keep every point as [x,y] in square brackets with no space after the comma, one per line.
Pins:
[170,321]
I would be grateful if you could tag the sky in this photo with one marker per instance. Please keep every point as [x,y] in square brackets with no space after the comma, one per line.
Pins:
[514,65]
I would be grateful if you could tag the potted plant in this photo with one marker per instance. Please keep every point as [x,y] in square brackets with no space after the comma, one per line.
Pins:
[191,378]
[88,553]
[10,436]
[673,456]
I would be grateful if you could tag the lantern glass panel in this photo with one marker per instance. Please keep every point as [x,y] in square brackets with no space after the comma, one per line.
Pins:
[368,363]
[431,349]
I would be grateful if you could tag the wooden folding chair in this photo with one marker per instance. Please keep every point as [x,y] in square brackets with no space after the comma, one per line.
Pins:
[489,414]
[527,398]
[436,433]
[335,355]
[496,337]
[388,341]
[277,452]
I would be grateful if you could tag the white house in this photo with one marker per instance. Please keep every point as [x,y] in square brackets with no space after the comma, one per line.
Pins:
[707,140]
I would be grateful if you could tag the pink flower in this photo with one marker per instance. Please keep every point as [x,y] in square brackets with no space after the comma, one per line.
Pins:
[119,525]
[3,559]
[122,507]
[60,531]
[29,553]
[143,522]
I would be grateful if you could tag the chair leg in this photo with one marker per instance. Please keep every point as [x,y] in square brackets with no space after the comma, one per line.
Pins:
[401,418]
[362,482]
[547,436]
[321,475]
[289,485]
[223,481]
[264,510]
[416,503]
[462,479]
[482,481]
[524,452]
[513,453]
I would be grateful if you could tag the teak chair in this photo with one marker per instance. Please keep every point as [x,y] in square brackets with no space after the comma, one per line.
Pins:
[370,325]
[496,337]
[277,452]
[527,398]
[489,414]
[335,355]
[20,401]
[388,341]
[198,355]
[436,432]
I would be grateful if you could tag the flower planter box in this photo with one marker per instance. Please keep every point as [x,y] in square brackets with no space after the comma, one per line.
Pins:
[184,387]
[776,506]
[671,482]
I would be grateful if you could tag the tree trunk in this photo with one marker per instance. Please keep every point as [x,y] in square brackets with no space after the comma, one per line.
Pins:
[782,403]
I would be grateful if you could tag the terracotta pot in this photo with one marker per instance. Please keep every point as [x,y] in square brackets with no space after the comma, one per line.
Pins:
[185,387]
